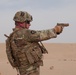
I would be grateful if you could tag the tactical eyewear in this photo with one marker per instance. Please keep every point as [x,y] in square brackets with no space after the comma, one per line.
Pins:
[28,22]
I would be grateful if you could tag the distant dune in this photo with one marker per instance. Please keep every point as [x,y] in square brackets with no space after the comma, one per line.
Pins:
[60,60]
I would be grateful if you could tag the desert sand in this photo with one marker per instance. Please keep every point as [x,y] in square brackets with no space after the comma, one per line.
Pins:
[60,60]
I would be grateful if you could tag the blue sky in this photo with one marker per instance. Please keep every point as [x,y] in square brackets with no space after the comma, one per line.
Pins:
[46,14]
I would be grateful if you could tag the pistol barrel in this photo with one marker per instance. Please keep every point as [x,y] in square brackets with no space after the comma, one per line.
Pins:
[63,24]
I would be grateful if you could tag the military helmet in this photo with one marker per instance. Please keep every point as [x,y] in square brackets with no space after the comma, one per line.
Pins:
[22,16]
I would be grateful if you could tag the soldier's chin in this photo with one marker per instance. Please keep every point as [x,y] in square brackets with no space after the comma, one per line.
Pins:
[27,27]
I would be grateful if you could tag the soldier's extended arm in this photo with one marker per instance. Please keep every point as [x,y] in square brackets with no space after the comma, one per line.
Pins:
[41,35]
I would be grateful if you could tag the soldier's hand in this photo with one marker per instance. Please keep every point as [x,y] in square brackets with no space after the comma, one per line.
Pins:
[58,29]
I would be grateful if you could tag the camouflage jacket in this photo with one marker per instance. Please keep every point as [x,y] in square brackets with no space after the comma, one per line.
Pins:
[22,46]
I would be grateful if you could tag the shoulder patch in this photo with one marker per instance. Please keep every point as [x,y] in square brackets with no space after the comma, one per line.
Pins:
[33,32]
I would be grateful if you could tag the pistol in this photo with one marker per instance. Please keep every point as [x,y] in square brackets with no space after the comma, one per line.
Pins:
[63,24]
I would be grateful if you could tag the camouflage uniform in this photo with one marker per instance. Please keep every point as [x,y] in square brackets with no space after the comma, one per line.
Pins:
[24,51]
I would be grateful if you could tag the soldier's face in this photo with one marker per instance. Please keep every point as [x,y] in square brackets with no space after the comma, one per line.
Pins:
[27,24]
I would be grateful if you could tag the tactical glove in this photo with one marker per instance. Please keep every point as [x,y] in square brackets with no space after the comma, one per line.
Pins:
[58,29]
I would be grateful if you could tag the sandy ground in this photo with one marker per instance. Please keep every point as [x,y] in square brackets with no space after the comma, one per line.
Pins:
[61,60]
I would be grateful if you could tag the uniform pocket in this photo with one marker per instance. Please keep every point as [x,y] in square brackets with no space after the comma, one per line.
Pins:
[34,54]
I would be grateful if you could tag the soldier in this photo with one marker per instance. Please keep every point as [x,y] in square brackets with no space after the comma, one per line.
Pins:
[23,46]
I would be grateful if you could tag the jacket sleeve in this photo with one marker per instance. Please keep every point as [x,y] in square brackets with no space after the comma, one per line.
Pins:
[42,35]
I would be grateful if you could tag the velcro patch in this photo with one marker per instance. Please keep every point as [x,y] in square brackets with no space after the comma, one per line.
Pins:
[33,32]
